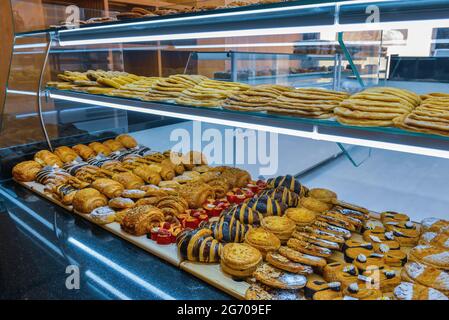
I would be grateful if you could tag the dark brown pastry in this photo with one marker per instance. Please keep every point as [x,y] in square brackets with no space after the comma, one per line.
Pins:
[140,220]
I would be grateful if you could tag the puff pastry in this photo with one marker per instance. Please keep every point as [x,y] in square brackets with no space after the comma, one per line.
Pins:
[84,151]
[139,220]
[100,148]
[127,141]
[129,180]
[66,154]
[240,259]
[86,200]
[110,188]
[45,157]
[199,245]
[26,171]
[414,291]
[426,276]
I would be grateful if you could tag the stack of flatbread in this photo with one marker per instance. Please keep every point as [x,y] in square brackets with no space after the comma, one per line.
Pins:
[308,103]
[257,98]
[432,116]
[170,88]
[376,107]
[137,89]
[210,93]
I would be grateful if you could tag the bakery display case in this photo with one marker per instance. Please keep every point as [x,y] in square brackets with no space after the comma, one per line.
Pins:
[204,140]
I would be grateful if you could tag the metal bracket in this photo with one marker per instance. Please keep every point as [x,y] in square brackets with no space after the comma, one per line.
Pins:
[349,58]
[350,158]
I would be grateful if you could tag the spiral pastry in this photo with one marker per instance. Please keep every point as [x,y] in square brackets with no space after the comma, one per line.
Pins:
[282,195]
[266,206]
[289,182]
[227,229]
[244,214]
[199,245]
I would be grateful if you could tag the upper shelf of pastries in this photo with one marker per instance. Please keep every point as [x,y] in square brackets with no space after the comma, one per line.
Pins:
[261,17]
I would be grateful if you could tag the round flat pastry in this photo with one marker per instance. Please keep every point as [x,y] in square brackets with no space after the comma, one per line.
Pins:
[262,240]
[282,227]
[239,257]
[302,258]
[322,290]
[361,292]
[414,291]
[256,292]
[279,261]
[314,204]
[301,216]
[103,215]
[323,195]
[279,279]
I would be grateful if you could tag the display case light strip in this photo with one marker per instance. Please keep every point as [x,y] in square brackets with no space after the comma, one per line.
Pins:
[21,92]
[315,135]
[438,23]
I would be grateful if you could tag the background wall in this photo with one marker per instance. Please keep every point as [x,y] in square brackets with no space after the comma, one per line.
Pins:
[6,38]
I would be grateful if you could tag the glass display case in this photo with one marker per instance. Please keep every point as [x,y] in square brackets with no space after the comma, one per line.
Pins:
[264,87]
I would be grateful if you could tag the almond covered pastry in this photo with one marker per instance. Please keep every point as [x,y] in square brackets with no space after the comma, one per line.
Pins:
[26,171]
[45,157]
[426,276]
[86,200]
[239,259]
[262,240]
[276,278]
[259,291]
[414,291]
[139,220]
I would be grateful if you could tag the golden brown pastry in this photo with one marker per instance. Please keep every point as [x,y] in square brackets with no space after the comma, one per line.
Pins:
[110,188]
[45,157]
[323,195]
[281,262]
[301,216]
[308,248]
[282,227]
[245,214]
[262,240]
[310,238]
[26,171]
[129,180]
[148,174]
[435,257]
[303,258]
[100,148]
[193,159]
[66,154]
[345,273]
[166,170]
[426,276]
[415,291]
[314,204]
[276,278]
[139,220]
[64,193]
[361,292]
[172,205]
[239,259]
[134,194]
[196,193]
[127,141]
[432,224]
[121,203]
[84,151]
[86,200]
[114,145]
[321,290]
[282,195]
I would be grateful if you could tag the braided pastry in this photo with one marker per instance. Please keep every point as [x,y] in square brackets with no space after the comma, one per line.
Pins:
[199,245]
[266,206]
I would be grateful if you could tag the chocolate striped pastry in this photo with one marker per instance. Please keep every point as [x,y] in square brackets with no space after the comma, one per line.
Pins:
[321,225]
[336,220]
[244,214]
[56,176]
[199,245]
[282,195]
[267,206]
[322,234]
[64,193]
[227,229]
[316,240]
[355,224]
[289,182]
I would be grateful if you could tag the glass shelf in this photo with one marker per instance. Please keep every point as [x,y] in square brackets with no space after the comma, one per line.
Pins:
[388,138]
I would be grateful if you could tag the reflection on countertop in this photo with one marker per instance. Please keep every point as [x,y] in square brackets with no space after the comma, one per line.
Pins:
[43,246]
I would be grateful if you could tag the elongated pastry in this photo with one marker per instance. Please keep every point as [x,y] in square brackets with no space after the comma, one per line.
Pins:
[26,171]
[86,200]
[303,258]
[276,278]
[148,174]
[266,206]
[429,255]
[316,240]
[140,220]
[322,234]
[66,154]
[121,203]
[114,145]
[308,248]
[344,273]
[56,176]
[196,193]
[282,195]
[110,188]
[127,141]
[279,261]
[199,245]
[289,182]
[435,225]
[172,205]
[227,229]
[45,157]
[426,276]
[245,214]
[414,291]
[84,151]
[129,180]
[175,163]
[103,215]
[100,148]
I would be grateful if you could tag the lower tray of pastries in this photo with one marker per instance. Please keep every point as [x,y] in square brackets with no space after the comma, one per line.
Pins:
[284,240]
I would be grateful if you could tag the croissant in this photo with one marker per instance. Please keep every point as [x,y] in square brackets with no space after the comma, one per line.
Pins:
[172,205]
[155,157]
[114,145]
[289,182]
[267,206]
[196,193]
[100,148]
[129,180]
[140,220]
[86,200]
[45,157]
[66,154]
[110,188]
[84,151]
[227,229]
[282,195]
[26,171]
[126,140]
[147,174]
[166,171]
[199,245]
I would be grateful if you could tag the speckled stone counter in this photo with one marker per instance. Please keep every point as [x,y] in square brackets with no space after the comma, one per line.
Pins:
[44,250]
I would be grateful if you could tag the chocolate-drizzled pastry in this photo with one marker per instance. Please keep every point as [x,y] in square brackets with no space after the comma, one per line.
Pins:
[289,182]
[64,193]
[141,151]
[244,214]
[316,240]
[362,216]
[227,229]
[266,206]
[322,234]
[199,245]
[332,229]
[344,273]
[282,195]
[74,166]
[57,176]
[98,161]
[336,220]
[322,290]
